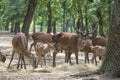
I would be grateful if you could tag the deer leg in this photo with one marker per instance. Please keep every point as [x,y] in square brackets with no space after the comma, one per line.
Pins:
[54,56]
[41,60]
[95,61]
[38,59]
[66,57]
[93,58]
[70,58]
[31,46]
[11,59]
[23,61]
[19,61]
[76,55]
[34,46]
[87,56]
[44,60]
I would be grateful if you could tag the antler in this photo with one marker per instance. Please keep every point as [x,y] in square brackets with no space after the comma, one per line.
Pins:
[95,24]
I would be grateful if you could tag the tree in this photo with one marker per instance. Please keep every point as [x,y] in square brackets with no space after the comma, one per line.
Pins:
[49,16]
[111,64]
[29,16]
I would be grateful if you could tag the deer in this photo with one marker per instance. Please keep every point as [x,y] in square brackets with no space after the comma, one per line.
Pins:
[19,44]
[2,57]
[41,37]
[71,43]
[99,40]
[41,50]
[87,49]
[98,51]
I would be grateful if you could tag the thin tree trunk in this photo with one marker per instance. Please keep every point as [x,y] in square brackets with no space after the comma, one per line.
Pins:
[54,27]
[41,26]
[93,27]
[86,21]
[7,25]
[29,16]
[67,22]
[12,26]
[17,27]
[49,17]
[64,16]
[99,15]
[80,20]
[34,23]
[73,20]
[111,64]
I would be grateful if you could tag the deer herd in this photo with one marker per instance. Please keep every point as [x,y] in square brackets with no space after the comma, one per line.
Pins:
[59,42]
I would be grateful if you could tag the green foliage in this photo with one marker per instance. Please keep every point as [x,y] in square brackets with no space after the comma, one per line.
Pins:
[16,10]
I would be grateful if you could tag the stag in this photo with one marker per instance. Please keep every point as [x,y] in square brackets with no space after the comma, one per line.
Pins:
[71,43]
[19,44]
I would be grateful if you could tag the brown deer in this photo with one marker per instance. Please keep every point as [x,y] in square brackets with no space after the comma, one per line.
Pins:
[98,51]
[19,44]
[41,50]
[99,40]
[40,37]
[87,49]
[71,43]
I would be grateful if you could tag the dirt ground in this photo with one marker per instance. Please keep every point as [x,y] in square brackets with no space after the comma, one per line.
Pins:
[61,72]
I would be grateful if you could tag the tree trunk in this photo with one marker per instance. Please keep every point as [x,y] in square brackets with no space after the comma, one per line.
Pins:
[80,20]
[41,26]
[54,27]
[86,20]
[64,16]
[29,16]
[7,26]
[99,15]
[111,64]
[34,22]
[49,17]
[17,27]
[67,26]
[73,20]
[12,26]
[93,27]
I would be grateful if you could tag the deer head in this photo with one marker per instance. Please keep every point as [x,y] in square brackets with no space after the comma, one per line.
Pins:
[83,34]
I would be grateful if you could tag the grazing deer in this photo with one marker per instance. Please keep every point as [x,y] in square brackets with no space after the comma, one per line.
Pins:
[98,51]
[19,44]
[41,50]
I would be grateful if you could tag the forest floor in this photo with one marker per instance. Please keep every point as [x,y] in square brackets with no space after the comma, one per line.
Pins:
[61,72]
